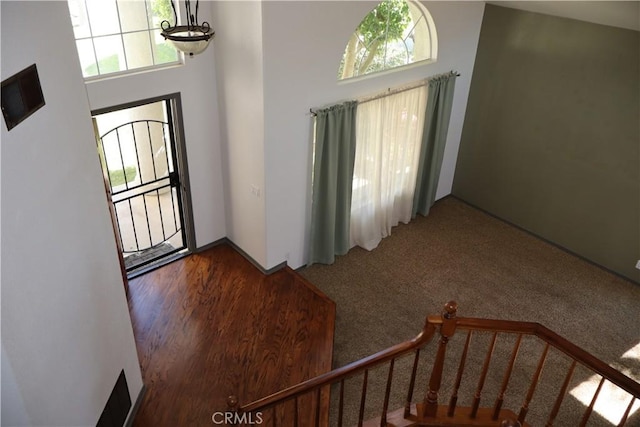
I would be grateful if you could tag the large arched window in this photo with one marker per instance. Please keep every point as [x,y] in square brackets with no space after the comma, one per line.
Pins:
[395,33]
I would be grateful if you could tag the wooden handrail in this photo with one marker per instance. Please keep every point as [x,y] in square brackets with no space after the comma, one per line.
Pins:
[447,323]
[346,371]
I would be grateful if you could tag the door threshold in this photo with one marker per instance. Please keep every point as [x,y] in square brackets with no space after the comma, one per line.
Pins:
[138,271]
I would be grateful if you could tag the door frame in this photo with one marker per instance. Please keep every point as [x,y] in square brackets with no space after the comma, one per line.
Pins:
[177,125]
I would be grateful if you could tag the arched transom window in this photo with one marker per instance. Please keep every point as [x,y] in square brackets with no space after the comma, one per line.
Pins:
[395,33]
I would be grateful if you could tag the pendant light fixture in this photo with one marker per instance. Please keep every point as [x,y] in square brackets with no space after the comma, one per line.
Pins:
[192,38]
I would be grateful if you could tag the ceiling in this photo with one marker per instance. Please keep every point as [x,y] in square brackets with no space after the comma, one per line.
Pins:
[623,14]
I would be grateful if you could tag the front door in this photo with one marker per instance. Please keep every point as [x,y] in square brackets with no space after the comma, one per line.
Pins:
[144,170]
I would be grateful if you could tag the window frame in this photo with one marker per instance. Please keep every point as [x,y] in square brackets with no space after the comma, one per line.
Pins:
[432,43]
[127,71]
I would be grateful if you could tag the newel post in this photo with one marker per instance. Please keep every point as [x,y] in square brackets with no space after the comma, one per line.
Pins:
[447,329]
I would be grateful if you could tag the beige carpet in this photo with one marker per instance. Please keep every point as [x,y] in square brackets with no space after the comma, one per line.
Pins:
[492,270]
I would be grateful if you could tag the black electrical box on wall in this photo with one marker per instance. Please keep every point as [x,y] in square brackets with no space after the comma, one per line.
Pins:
[21,96]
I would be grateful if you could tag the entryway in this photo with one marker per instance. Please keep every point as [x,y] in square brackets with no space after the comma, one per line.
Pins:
[144,164]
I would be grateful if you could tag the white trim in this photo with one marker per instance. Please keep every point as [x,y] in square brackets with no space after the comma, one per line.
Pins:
[385,72]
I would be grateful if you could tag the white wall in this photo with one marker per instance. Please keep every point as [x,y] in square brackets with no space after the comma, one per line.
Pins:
[196,81]
[66,330]
[239,62]
[303,43]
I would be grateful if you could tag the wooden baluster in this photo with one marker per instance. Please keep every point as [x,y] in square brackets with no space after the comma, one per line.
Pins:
[318,393]
[363,397]
[561,394]
[532,387]
[385,406]
[447,329]
[412,383]
[296,412]
[275,415]
[623,420]
[341,403]
[483,376]
[453,402]
[587,412]
[507,376]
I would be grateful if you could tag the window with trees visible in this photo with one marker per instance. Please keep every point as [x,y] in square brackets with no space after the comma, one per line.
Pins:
[120,35]
[395,33]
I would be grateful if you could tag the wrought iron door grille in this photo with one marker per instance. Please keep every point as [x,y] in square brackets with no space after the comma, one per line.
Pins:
[141,166]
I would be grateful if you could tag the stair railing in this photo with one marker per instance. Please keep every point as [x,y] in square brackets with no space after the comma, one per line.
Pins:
[430,411]
[317,384]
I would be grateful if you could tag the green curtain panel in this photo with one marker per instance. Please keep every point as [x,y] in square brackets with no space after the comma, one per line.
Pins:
[434,137]
[334,157]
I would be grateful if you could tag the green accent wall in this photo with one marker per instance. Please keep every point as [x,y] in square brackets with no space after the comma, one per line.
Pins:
[551,138]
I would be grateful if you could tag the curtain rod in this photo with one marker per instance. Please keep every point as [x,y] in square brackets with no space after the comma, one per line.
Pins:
[391,91]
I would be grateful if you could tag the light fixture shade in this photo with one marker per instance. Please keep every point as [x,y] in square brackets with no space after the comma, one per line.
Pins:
[189,41]
[192,38]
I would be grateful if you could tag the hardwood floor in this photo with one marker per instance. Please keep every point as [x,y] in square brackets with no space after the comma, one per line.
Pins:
[212,325]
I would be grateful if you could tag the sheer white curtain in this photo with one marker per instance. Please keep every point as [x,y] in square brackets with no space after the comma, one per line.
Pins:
[388,136]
